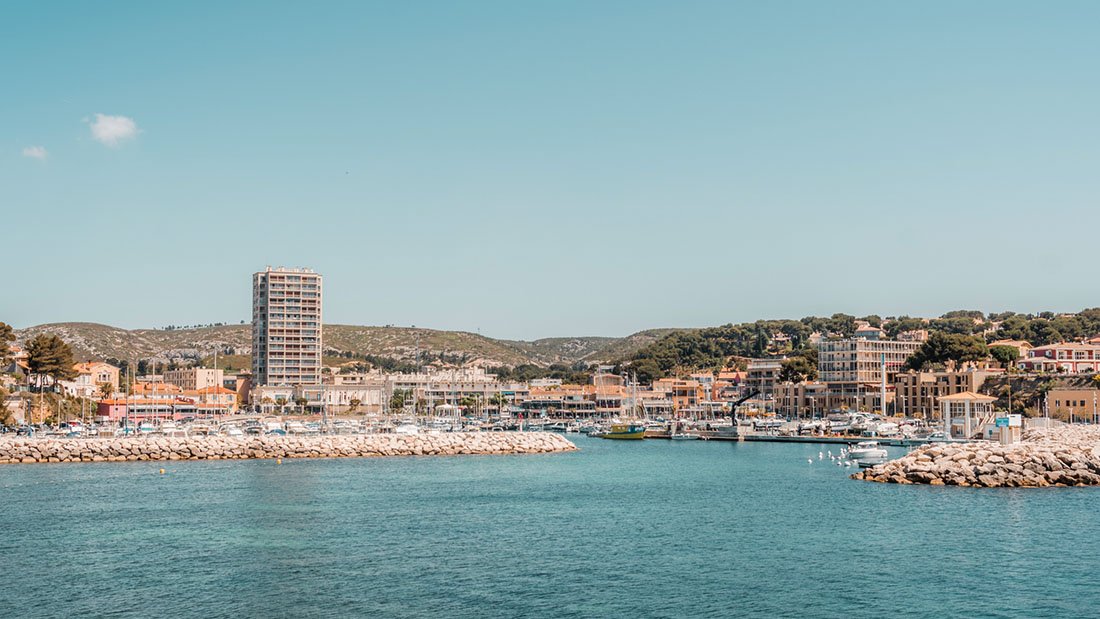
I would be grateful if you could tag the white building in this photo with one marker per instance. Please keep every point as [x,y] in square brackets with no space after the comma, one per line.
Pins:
[286,327]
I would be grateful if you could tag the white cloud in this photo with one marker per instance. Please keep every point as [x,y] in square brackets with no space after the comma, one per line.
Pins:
[113,130]
[36,152]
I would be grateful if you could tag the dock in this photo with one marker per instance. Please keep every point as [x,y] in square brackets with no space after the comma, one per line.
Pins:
[816,440]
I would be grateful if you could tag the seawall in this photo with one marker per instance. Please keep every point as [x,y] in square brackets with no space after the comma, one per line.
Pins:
[1063,456]
[30,451]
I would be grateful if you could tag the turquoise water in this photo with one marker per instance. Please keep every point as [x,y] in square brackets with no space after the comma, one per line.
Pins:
[619,529]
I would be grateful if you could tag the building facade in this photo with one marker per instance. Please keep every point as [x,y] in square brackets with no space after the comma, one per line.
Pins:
[286,327]
[1069,357]
[192,379]
[918,393]
[852,366]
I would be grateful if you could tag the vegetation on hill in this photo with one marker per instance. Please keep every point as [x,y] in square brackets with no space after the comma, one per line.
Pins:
[948,349]
[713,348]
[389,348]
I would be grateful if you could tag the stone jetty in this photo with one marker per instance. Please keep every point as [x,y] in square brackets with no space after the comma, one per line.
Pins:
[35,450]
[1063,456]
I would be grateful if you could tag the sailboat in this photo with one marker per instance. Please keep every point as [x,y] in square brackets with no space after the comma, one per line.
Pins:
[628,430]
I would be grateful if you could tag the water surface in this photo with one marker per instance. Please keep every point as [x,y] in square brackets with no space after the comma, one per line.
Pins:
[618,529]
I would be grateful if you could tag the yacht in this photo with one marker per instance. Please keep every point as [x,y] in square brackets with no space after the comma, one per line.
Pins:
[868,452]
[295,427]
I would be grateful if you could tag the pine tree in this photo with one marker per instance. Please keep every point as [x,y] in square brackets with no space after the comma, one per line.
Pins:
[49,355]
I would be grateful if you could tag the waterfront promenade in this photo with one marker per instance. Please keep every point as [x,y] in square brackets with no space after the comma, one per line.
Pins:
[58,450]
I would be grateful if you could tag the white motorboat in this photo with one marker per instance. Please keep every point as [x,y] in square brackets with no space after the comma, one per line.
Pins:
[684,436]
[868,451]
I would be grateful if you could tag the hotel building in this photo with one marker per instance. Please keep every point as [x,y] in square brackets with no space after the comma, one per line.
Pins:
[286,327]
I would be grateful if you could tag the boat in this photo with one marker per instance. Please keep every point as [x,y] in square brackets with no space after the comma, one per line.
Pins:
[869,452]
[172,429]
[623,431]
[684,436]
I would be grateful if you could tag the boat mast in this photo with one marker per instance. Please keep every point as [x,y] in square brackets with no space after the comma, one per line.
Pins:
[882,396]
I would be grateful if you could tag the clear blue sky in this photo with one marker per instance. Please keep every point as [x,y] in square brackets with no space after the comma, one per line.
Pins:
[530,169]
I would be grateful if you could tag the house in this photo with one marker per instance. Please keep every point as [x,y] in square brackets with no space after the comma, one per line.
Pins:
[1070,357]
[213,400]
[89,378]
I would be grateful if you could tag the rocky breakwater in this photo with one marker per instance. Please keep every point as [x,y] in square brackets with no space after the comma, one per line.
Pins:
[29,451]
[1064,456]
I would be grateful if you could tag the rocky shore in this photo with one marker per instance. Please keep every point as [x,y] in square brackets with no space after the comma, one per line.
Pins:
[29,451]
[1064,456]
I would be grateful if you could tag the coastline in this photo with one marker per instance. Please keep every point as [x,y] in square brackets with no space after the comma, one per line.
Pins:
[132,449]
[1063,456]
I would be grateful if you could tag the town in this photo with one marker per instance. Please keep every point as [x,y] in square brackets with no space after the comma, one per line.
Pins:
[859,369]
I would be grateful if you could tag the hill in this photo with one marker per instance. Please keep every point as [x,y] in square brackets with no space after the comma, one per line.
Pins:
[99,341]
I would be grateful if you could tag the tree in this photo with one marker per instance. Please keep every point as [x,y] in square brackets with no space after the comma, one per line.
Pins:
[799,368]
[873,319]
[944,348]
[6,418]
[1005,355]
[7,336]
[106,389]
[301,402]
[49,355]
[397,400]
[354,404]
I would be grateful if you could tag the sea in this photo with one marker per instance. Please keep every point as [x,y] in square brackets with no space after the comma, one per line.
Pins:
[617,529]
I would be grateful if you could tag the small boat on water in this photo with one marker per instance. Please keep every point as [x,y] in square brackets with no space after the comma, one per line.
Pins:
[868,452]
[684,436]
[623,431]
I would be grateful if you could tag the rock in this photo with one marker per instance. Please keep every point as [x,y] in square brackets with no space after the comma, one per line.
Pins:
[1064,456]
[145,448]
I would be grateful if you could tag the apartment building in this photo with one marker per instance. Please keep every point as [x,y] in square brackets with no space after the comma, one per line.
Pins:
[763,375]
[805,399]
[193,379]
[1071,357]
[918,393]
[286,327]
[852,366]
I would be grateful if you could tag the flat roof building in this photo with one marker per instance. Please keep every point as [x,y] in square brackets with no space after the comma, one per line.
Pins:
[286,327]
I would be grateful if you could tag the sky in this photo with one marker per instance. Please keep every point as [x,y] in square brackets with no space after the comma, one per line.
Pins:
[538,169]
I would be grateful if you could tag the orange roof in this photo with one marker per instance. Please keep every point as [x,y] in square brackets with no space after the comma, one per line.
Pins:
[90,366]
[217,389]
[165,388]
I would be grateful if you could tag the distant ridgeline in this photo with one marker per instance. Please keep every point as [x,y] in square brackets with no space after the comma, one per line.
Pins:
[719,347]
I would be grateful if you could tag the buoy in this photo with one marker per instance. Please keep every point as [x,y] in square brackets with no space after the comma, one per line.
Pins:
[810,460]
[162,471]
[278,460]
